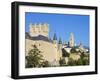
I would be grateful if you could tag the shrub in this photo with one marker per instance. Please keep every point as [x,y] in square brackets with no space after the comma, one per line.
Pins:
[34,58]
[62,62]
[45,64]
[72,62]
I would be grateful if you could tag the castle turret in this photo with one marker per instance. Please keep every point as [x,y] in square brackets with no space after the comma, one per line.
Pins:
[55,39]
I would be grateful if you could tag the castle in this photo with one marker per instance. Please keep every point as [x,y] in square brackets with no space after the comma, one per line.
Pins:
[51,49]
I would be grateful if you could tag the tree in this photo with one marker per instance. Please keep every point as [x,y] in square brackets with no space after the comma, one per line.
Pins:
[80,62]
[85,61]
[45,64]
[82,55]
[62,62]
[34,58]
[72,62]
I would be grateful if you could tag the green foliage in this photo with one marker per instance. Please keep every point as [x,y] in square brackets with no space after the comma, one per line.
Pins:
[72,62]
[34,58]
[45,64]
[78,62]
[85,58]
[85,61]
[62,62]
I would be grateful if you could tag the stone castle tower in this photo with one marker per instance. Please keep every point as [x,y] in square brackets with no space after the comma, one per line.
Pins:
[39,29]
[71,40]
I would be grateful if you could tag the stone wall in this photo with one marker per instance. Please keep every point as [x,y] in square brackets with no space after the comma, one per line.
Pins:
[48,50]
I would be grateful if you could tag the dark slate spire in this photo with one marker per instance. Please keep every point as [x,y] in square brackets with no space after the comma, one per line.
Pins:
[54,37]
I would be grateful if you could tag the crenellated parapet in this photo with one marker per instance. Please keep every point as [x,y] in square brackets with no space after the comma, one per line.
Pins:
[39,29]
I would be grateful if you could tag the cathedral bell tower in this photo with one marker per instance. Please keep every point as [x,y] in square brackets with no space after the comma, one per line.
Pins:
[71,40]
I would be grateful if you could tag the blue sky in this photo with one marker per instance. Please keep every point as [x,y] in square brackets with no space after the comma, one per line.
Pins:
[62,25]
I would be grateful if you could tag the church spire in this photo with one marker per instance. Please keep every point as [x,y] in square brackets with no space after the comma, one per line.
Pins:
[54,37]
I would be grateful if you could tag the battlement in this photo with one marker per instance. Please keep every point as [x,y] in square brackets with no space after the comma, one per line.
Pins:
[39,29]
